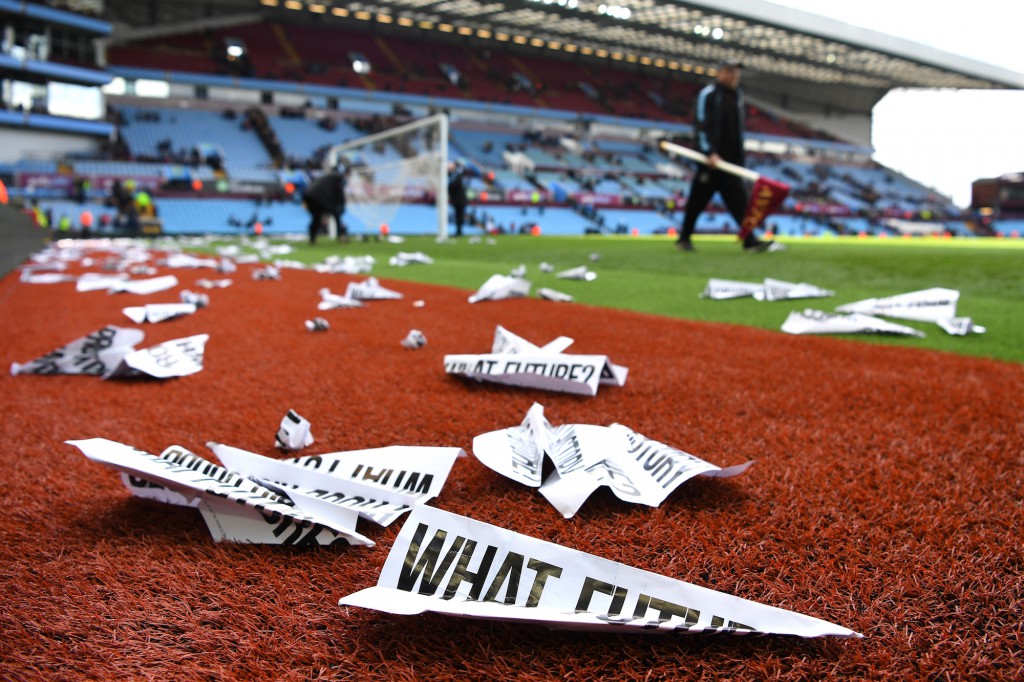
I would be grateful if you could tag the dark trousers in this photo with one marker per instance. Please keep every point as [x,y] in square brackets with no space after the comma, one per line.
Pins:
[705,183]
[460,218]
[316,219]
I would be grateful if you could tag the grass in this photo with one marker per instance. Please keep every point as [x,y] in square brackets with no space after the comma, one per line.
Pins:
[647,274]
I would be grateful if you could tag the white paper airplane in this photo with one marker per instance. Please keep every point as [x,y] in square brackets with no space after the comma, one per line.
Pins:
[580,272]
[158,312]
[213,283]
[500,287]
[926,305]
[513,361]
[811,321]
[546,267]
[414,340]
[778,290]
[724,289]
[329,301]
[637,469]
[175,358]
[29,277]
[268,273]
[92,281]
[960,326]
[349,265]
[294,432]
[282,264]
[91,354]
[402,259]
[234,508]
[143,287]
[370,290]
[184,260]
[518,271]
[380,484]
[195,298]
[552,295]
[445,563]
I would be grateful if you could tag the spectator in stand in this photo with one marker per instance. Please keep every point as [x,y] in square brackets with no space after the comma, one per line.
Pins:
[719,125]
[326,196]
[457,194]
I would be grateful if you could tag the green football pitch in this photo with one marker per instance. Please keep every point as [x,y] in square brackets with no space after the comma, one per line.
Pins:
[648,274]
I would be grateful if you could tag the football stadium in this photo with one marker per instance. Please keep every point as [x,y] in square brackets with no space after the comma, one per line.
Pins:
[475,406]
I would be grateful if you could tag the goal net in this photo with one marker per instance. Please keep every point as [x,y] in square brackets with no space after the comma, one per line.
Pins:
[397,178]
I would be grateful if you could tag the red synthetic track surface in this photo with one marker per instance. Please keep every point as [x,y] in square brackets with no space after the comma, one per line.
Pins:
[886,495]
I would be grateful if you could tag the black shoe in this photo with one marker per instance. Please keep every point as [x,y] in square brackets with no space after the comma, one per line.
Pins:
[753,245]
[684,244]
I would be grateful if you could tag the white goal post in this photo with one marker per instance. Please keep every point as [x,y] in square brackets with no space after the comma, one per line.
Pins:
[395,166]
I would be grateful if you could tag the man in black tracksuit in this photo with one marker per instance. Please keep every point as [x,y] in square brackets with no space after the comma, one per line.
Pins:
[457,194]
[719,127]
[326,196]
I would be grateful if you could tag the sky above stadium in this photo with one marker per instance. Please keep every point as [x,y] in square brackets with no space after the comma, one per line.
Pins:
[945,139]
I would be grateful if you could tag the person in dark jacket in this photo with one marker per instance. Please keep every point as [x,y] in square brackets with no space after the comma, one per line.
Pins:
[719,123]
[457,194]
[326,196]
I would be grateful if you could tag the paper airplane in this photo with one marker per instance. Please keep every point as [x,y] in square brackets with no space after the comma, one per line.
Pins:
[175,358]
[28,277]
[724,289]
[637,469]
[518,271]
[194,298]
[414,340]
[268,273]
[380,484]
[926,305]
[282,264]
[960,326]
[329,301]
[158,312]
[92,354]
[778,290]
[811,321]
[92,281]
[546,267]
[445,563]
[580,272]
[349,265]
[184,260]
[402,259]
[294,433]
[143,286]
[514,361]
[552,295]
[317,324]
[213,283]
[370,290]
[500,287]
[234,508]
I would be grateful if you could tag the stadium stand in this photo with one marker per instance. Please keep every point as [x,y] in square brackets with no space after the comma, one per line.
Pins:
[562,175]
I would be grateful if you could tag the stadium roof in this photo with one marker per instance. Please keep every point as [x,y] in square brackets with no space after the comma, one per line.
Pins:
[784,49]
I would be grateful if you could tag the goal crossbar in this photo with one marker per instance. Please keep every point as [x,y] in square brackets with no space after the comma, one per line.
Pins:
[438,120]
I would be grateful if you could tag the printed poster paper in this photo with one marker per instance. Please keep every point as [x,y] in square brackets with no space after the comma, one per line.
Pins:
[514,361]
[446,563]
[636,468]
[158,312]
[811,321]
[380,484]
[93,354]
[926,305]
[234,508]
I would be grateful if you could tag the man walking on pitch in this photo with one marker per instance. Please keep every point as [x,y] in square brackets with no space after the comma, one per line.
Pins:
[326,196]
[719,127]
[457,193]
